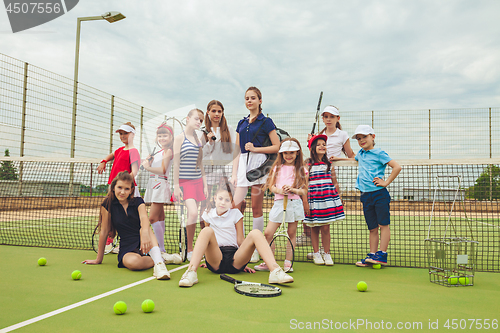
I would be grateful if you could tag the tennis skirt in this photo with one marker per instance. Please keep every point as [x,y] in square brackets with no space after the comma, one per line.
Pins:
[157,190]
[192,189]
[294,211]
[254,161]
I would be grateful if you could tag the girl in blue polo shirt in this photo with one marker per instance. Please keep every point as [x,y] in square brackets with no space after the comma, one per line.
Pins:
[126,215]
[251,133]
[374,195]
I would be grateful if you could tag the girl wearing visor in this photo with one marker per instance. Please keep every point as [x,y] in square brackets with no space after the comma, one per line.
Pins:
[126,158]
[288,177]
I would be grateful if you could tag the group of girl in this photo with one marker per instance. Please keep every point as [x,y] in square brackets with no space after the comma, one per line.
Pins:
[310,187]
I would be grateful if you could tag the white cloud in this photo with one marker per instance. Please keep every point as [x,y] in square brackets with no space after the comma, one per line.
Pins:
[362,54]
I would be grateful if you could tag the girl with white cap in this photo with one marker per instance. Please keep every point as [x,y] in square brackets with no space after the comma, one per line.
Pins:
[288,176]
[337,143]
[338,140]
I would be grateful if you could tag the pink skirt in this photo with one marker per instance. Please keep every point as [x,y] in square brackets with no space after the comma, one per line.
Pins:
[192,189]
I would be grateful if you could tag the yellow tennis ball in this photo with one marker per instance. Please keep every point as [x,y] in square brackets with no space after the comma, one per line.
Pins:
[362,286]
[453,280]
[376,266]
[148,306]
[76,275]
[464,280]
[42,261]
[120,307]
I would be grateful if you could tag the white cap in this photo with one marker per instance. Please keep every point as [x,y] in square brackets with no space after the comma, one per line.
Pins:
[363,129]
[332,110]
[289,145]
[126,128]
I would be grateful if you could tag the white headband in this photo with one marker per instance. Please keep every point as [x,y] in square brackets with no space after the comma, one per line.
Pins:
[126,128]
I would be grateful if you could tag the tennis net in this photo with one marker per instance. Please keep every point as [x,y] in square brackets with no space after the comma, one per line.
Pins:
[55,203]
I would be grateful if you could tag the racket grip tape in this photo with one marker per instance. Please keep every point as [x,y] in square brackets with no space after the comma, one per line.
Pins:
[227,278]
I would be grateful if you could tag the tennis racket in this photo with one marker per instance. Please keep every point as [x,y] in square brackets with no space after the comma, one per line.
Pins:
[252,289]
[182,233]
[281,243]
[316,119]
[95,242]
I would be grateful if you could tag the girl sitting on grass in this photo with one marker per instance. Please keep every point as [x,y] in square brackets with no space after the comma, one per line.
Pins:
[125,214]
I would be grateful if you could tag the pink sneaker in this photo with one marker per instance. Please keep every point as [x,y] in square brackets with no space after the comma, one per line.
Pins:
[261,267]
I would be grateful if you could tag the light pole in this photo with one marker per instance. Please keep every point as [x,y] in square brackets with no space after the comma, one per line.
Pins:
[111,17]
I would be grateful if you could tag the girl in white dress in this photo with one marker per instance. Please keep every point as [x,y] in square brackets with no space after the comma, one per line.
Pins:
[158,189]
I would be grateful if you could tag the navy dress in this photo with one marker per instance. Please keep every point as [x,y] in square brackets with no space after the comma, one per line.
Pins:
[127,225]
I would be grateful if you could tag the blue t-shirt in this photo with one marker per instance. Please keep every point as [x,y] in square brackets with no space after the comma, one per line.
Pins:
[247,131]
[371,164]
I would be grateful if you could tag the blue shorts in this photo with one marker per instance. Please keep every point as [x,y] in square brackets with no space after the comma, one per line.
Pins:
[376,208]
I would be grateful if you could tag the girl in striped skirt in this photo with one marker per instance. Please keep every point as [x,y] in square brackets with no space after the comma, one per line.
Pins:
[323,205]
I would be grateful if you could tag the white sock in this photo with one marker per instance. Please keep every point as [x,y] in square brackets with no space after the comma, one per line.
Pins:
[258,223]
[155,254]
[159,230]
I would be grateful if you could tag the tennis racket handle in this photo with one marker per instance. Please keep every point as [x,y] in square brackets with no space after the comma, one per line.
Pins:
[227,278]
[285,201]
[314,127]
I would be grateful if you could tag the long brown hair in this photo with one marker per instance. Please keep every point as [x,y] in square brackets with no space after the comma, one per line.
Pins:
[300,180]
[225,136]
[224,185]
[124,176]
[198,143]
[259,95]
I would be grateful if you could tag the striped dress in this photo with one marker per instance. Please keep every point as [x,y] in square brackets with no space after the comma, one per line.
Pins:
[324,201]
[188,158]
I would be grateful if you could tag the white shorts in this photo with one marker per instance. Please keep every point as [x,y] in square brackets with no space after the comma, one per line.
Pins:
[254,161]
[294,211]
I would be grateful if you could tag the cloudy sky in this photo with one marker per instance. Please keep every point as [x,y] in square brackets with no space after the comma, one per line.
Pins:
[364,55]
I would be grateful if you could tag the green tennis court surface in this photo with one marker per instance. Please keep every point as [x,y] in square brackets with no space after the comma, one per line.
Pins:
[349,236]
[323,295]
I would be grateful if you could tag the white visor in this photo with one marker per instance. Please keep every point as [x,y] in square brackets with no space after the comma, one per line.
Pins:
[289,146]
[126,128]
[331,110]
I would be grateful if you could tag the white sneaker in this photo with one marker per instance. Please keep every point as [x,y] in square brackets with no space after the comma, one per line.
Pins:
[255,256]
[310,255]
[261,267]
[279,276]
[188,279]
[161,272]
[318,259]
[328,259]
[116,250]
[189,256]
[174,258]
